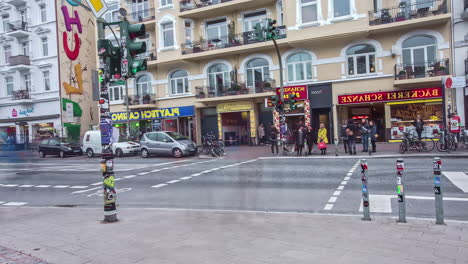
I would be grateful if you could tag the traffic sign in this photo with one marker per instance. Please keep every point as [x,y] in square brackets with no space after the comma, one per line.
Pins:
[455,82]
[98,7]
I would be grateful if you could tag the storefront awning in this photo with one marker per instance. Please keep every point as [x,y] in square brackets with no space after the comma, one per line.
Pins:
[29,118]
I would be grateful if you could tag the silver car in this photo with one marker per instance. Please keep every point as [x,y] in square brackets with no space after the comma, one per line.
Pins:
[166,143]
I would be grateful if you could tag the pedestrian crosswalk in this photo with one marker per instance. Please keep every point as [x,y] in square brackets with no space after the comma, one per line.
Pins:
[2,203]
[43,186]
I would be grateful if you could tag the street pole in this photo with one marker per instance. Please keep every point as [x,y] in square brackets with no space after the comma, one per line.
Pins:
[400,166]
[365,191]
[282,114]
[439,206]
[128,109]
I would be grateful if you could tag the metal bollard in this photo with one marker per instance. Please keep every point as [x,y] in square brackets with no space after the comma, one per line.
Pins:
[400,166]
[369,144]
[365,191]
[439,206]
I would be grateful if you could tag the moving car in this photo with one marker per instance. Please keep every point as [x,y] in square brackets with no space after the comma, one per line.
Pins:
[92,145]
[166,143]
[53,146]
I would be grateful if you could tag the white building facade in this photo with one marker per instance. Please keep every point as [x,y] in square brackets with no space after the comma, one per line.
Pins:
[30,107]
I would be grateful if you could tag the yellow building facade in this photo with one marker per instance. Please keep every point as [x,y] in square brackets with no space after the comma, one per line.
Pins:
[203,54]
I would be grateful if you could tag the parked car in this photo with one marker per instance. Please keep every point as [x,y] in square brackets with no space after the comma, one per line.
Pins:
[54,146]
[166,143]
[92,145]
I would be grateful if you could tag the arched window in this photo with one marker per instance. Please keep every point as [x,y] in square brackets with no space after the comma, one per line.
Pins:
[218,76]
[361,59]
[258,71]
[299,67]
[179,82]
[143,89]
[419,53]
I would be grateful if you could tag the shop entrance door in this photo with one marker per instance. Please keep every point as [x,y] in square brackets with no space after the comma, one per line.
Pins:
[322,115]
[236,128]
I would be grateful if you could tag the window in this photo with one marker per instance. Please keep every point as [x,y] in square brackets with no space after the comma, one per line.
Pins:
[299,67]
[377,5]
[45,47]
[140,9]
[143,85]
[5,23]
[116,94]
[419,52]
[112,15]
[168,34]
[361,59]
[217,31]
[258,71]
[179,82]
[308,11]
[27,82]
[7,50]
[9,85]
[251,19]
[24,46]
[218,76]
[165,3]
[188,32]
[279,8]
[162,137]
[43,13]
[46,76]
[341,8]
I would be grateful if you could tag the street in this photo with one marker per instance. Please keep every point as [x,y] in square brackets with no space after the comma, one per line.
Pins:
[276,184]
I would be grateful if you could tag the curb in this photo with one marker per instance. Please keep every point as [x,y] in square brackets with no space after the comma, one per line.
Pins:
[460,156]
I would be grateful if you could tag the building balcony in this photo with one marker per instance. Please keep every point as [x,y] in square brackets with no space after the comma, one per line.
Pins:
[421,74]
[142,101]
[19,60]
[405,12]
[206,8]
[235,91]
[22,96]
[17,29]
[226,42]
[16,2]
[146,16]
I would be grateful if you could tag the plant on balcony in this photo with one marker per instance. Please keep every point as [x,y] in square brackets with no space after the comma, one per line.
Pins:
[146,99]
[211,93]
[441,71]
[402,75]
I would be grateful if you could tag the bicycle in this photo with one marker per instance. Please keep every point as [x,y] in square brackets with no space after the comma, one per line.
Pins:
[211,146]
[463,138]
[445,142]
[410,141]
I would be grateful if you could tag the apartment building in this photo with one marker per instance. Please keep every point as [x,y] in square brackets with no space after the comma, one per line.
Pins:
[382,60]
[29,87]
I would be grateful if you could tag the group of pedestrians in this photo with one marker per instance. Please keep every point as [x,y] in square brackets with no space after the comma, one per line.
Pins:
[367,130]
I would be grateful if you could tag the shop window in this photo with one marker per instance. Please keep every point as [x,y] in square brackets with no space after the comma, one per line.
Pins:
[361,59]
[179,82]
[218,76]
[299,67]
[419,53]
[308,11]
[258,71]
[403,116]
[341,8]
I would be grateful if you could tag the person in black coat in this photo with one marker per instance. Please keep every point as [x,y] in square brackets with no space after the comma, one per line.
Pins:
[373,134]
[351,130]
[309,137]
[274,139]
[300,136]
[344,135]
[419,125]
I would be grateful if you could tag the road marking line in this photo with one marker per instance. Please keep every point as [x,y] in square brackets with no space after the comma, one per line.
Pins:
[143,173]
[14,204]
[341,187]
[10,185]
[195,174]
[185,178]
[432,198]
[129,176]
[347,178]
[61,186]
[78,187]
[344,182]
[159,185]
[332,199]
[1,202]
[118,179]
[26,186]
[379,203]
[173,181]
[83,191]
[155,170]
[349,174]
[96,183]
[328,207]
[336,193]
[459,179]
[351,171]
[42,186]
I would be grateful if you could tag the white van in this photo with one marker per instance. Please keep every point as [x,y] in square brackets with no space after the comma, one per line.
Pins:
[92,145]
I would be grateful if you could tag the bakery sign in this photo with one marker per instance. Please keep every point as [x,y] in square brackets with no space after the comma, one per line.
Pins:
[390,96]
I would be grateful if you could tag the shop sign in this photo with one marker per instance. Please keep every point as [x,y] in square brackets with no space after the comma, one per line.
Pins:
[154,113]
[390,96]
[455,82]
[269,102]
[24,112]
[299,90]
[235,107]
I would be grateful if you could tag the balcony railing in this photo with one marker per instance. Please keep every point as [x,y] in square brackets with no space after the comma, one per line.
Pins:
[21,95]
[406,11]
[186,5]
[234,89]
[17,25]
[141,15]
[422,70]
[245,38]
[142,99]
[19,60]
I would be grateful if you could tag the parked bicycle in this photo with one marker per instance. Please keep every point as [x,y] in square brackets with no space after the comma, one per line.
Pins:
[412,142]
[446,141]
[463,138]
[211,146]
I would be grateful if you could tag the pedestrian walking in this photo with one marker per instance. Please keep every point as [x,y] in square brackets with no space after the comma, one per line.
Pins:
[300,140]
[309,138]
[373,135]
[322,139]
[364,129]
[274,139]
[344,135]
[419,125]
[261,134]
[351,132]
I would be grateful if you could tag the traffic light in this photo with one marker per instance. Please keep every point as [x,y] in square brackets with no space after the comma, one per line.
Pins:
[279,106]
[130,63]
[111,55]
[292,101]
[270,29]
[274,99]
[259,34]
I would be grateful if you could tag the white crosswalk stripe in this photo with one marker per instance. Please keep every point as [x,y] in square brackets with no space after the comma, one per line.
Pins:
[458,178]
[14,204]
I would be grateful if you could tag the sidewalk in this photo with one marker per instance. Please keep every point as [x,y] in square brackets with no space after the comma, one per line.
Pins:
[176,236]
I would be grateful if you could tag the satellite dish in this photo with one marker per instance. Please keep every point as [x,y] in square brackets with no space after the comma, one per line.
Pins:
[122,11]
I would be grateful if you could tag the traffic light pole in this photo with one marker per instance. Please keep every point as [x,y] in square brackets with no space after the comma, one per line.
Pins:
[127,131]
[282,113]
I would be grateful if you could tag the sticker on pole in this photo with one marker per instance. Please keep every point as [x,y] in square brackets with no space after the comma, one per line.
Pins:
[437,180]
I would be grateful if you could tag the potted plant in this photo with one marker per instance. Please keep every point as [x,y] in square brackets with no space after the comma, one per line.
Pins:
[402,75]
[146,99]
[211,94]
[201,95]
[441,71]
